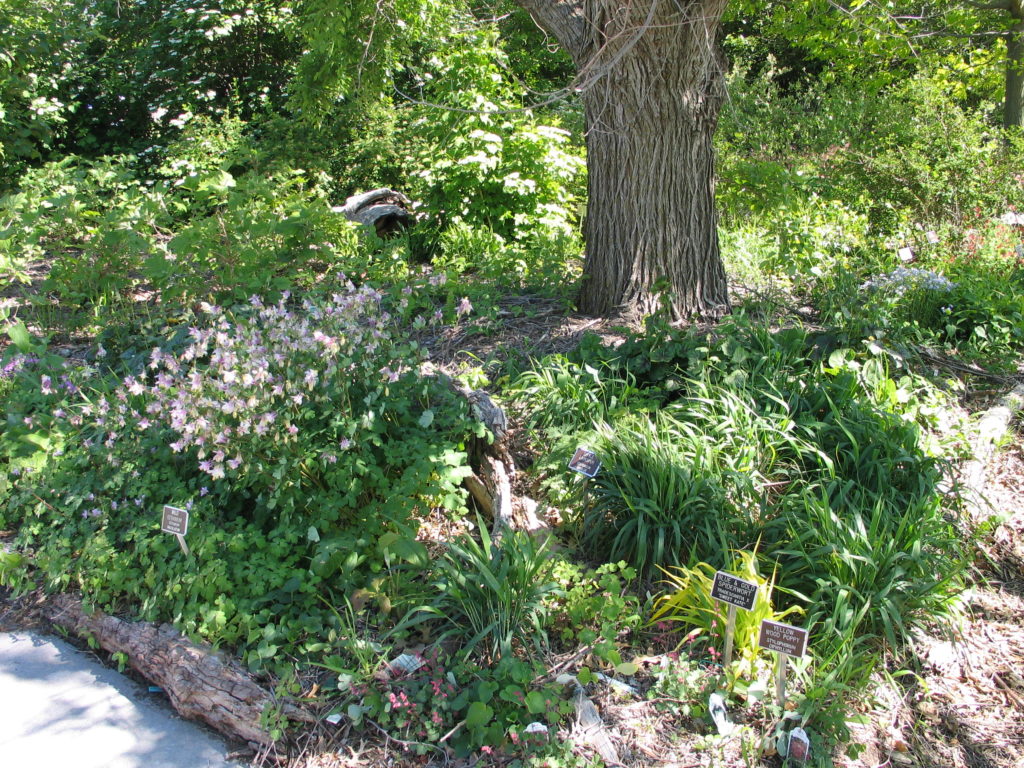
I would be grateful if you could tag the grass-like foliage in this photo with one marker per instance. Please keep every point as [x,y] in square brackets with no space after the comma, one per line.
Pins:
[569,395]
[688,601]
[651,504]
[891,564]
[492,593]
[815,453]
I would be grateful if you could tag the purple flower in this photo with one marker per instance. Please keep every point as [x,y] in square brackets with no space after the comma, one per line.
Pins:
[203,491]
[464,307]
[46,385]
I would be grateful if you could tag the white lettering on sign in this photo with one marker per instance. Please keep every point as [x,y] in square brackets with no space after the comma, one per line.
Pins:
[585,462]
[734,591]
[174,520]
[782,638]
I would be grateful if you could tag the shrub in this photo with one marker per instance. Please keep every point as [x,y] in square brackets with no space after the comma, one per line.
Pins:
[299,436]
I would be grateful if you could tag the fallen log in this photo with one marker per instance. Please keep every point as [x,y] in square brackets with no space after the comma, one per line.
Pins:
[199,683]
[386,210]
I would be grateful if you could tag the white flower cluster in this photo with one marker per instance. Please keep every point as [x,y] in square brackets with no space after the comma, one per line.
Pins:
[903,279]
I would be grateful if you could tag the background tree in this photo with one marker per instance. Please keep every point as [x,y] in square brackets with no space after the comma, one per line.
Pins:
[652,82]
[651,79]
[42,45]
[976,40]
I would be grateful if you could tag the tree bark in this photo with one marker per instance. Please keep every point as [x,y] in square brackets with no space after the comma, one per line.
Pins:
[652,83]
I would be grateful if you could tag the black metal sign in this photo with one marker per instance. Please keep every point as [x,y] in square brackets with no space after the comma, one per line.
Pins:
[734,591]
[585,462]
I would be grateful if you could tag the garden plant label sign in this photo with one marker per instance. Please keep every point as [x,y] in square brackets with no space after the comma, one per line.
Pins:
[783,638]
[585,462]
[905,254]
[799,746]
[734,591]
[736,594]
[175,520]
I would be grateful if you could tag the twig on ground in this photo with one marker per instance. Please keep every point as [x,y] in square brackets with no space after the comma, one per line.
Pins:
[407,745]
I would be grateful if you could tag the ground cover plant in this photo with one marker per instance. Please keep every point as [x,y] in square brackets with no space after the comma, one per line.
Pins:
[187,319]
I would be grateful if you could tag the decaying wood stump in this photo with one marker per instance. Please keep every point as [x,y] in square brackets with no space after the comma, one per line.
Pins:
[491,460]
[386,210]
[200,684]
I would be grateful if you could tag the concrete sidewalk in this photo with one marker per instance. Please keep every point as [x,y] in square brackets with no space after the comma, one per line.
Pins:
[60,708]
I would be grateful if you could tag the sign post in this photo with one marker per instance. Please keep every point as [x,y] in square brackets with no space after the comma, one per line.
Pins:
[785,640]
[736,593]
[175,520]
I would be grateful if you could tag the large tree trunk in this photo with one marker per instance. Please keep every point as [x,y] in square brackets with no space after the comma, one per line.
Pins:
[652,83]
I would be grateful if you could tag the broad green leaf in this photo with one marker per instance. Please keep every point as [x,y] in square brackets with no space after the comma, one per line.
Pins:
[19,336]
[478,715]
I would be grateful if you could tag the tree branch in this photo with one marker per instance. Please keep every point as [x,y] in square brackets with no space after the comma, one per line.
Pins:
[564,20]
